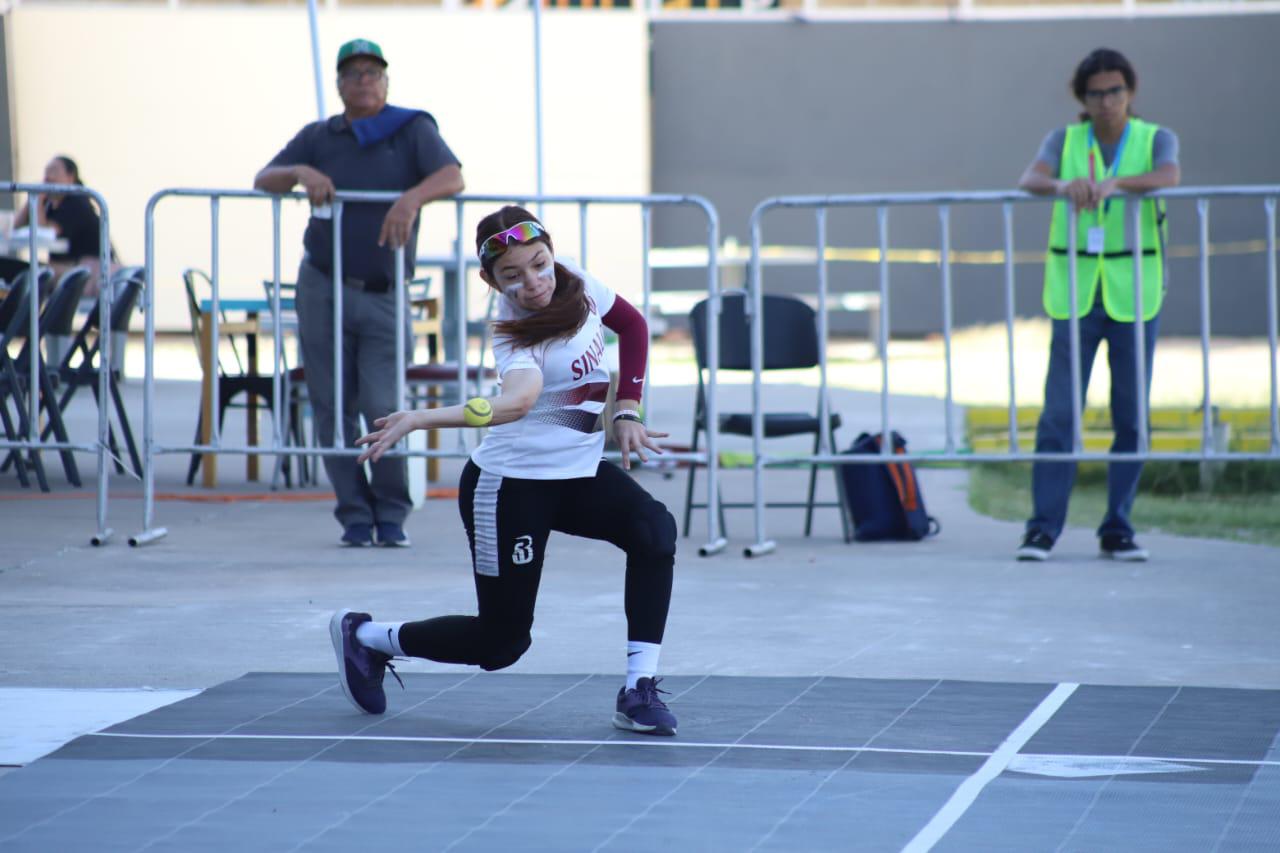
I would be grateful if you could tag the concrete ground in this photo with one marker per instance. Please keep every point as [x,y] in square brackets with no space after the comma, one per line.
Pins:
[246,579]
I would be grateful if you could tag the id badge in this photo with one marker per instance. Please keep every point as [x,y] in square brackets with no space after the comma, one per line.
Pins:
[1096,241]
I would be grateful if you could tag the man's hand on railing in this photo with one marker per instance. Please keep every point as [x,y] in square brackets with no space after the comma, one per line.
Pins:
[318,186]
[398,223]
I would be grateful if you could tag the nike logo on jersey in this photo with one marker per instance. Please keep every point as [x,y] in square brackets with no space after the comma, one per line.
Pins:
[637,379]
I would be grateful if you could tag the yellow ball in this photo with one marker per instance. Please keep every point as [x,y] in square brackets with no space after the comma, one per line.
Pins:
[477,412]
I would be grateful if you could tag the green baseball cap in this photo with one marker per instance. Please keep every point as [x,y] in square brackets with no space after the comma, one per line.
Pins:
[360,47]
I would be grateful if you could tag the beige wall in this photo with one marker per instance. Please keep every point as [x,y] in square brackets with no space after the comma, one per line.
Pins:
[149,98]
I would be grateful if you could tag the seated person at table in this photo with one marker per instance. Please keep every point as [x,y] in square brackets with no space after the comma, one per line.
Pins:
[72,217]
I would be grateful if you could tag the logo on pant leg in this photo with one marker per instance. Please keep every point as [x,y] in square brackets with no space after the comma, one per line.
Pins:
[523,552]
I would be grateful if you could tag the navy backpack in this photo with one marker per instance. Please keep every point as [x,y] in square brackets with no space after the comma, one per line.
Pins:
[885,499]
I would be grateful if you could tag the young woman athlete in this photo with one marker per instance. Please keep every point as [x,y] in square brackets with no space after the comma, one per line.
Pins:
[538,469]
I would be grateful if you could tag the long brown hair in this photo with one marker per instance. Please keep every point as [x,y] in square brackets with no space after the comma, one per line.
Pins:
[568,309]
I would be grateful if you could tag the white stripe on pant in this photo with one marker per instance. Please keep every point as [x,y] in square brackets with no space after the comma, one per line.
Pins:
[485,513]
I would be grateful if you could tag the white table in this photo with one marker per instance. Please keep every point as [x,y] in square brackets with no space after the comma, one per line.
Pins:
[18,241]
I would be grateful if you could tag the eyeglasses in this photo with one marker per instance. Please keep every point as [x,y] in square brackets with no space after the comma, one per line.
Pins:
[521,232]
[352,75]
[1103,94]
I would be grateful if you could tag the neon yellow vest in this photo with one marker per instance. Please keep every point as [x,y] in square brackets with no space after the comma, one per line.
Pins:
[1114,268]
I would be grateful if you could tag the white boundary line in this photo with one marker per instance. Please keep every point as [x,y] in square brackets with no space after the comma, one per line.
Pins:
[677,744]
[669,744]
[965,795]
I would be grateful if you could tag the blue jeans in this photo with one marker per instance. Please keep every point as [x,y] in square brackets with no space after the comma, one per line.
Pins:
[1051,482]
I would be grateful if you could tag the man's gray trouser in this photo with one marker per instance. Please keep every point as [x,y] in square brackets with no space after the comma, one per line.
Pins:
[368,389]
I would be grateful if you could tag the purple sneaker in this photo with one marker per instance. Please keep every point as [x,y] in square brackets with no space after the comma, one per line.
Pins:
[640,710]
[360,668]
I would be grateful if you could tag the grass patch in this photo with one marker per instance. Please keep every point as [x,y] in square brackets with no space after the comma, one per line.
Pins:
[1244,505]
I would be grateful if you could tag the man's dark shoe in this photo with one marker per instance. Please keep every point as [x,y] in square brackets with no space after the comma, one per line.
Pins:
[1119,546]
[392,535]
[357,535]
[360,669]
[1035,546]
[640,710]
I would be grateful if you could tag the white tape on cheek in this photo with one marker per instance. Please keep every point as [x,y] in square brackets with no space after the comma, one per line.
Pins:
[511,290]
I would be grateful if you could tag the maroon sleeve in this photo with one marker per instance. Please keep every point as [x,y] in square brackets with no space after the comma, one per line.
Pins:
[633,346]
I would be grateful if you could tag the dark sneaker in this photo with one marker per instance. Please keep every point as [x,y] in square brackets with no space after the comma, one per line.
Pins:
[1035,546]
[640,710]
[357,535]
[1118,546]
[391,535]
[360,669]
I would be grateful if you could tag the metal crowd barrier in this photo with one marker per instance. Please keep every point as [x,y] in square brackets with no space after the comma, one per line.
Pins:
[36,364]
[460,263]
[883,204]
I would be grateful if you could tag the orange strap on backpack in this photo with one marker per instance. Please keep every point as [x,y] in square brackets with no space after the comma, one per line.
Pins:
[905,485]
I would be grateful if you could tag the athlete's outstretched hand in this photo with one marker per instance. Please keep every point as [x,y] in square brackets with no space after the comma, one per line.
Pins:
[634,436]
[390,430]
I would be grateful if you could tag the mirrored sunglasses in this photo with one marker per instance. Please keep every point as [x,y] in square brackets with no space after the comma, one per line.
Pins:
[521,232]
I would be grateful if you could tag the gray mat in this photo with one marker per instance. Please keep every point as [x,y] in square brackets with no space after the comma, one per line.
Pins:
[472,761]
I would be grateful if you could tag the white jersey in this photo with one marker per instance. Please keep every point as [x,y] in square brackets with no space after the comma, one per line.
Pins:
[558,439]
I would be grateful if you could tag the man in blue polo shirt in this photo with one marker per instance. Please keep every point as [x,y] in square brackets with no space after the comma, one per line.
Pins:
[370,146]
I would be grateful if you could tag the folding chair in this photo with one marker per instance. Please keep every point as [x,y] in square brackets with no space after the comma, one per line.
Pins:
[11,268]
[230,385]
[790,342]
[55,326]
[80,364]
[14,325]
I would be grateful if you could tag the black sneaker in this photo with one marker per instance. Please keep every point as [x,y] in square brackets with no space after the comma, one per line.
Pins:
[391,535]
[1119,546]
[1035,546]
[640,710]
[360,668]
[358,535]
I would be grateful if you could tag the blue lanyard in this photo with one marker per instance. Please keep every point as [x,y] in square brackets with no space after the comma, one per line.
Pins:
[1115,161]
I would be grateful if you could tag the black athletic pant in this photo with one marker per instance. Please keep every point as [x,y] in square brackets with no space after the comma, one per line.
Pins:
[508,521]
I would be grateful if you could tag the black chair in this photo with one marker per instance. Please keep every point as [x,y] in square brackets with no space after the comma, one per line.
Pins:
[230,385]
[14,325]
[80,364]
[11,268]
[55,326]
[790,342]
[57,322]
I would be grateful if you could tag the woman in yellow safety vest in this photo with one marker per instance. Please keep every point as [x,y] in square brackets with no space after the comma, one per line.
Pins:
[1091,165]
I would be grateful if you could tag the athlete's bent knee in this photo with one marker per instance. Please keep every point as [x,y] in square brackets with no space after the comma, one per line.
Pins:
[654,531]
[503,653]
